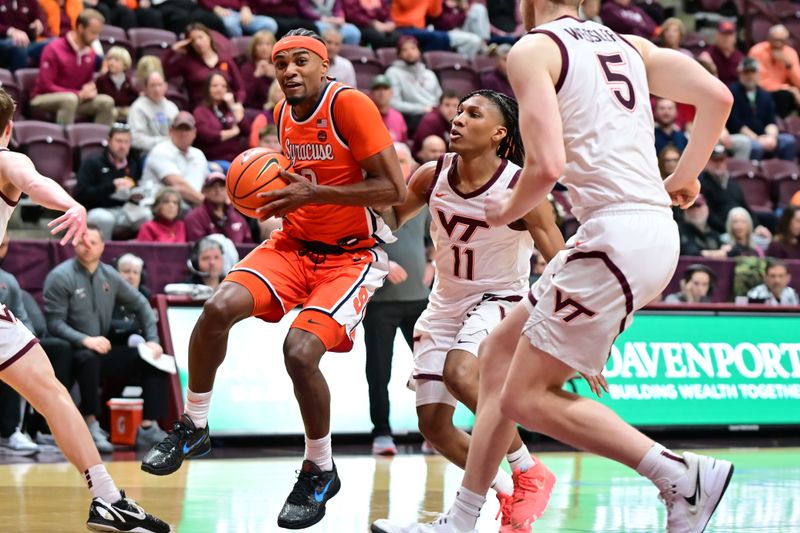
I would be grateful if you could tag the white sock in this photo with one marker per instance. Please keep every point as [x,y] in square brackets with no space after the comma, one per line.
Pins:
[660,463]
[318,451]
[502,482]
[197,404]
[520,459]
[100,483]
[466,509]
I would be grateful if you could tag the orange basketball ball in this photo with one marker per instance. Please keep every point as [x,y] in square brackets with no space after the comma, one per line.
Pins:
[254,171]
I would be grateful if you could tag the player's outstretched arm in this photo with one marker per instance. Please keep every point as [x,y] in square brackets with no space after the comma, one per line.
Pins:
[672,75]
[541,223]
[418,186]
[19,170]
[540,127]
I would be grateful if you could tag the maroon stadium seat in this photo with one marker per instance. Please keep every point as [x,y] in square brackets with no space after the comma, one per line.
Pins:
[151,41]
[778,169]
[355,53]
[757,192]
[87,139]
[48,147]
[483,63]
[242,43]
[116,36]
[366,70]
[9,83]
[437,59]
[787,187]
[462,80]
[26,78]
[386,56]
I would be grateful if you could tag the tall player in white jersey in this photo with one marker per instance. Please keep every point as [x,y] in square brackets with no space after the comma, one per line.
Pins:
[481,272]
[24,364]
[585,117]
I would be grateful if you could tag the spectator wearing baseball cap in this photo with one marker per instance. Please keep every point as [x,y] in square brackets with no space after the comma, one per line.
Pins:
[176,163]
[382,95]
[723,53]
[753,117]
[216,214]
[779,69]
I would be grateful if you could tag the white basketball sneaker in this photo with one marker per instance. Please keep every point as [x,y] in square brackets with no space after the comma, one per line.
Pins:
[442,525]
[692,499]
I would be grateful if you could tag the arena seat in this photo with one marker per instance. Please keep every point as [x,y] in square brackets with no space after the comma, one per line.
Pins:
[438,59]
[242,43]
[483,63]
[355,53]
[47,146]
[26,78]
[462,80]
[151,41]
[366,69]
[86,139]
[116,36]
[386,56]
[9,83]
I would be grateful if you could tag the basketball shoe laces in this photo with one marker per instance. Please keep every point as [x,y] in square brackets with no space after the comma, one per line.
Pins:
[504,513]
[179,431]
[303,488]
[667,493]
[526,488]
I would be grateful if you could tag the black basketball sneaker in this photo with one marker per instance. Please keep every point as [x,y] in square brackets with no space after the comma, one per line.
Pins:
[123,515]
[305,505]
[183,441]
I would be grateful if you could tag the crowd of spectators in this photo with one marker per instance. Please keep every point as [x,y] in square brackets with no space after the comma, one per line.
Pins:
[178,115]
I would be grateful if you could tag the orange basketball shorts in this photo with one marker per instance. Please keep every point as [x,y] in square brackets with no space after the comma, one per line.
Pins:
[333,289]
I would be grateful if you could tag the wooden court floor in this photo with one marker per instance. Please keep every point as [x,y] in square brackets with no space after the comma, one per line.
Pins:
[244,496]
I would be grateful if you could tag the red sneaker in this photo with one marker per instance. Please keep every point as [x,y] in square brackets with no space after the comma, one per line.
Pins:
[532,491]
[504,513]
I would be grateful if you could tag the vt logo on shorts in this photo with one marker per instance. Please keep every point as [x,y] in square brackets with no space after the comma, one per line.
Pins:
[579,309]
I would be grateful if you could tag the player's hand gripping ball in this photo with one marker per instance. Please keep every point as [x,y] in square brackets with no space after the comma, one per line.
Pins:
[254,171]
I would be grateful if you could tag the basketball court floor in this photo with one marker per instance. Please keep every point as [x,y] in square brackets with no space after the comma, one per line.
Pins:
[244,495]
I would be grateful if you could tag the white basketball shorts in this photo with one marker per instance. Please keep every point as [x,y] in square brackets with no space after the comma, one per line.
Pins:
[620,259]
[440,331]
[15,338]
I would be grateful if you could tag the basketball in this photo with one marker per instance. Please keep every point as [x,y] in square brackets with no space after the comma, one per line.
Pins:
[254,171]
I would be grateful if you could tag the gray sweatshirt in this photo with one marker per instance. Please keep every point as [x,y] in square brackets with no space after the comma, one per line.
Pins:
[79,305]
[416,88]
[150,122]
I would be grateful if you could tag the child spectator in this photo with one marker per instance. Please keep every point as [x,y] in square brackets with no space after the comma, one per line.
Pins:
[116,82]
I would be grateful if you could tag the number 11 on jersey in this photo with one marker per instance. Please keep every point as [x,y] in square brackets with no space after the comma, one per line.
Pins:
[468,262]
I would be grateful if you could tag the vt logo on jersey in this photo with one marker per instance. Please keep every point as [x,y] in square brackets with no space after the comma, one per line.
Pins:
[471,225]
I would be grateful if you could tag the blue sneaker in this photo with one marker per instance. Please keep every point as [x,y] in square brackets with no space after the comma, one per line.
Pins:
[305,505]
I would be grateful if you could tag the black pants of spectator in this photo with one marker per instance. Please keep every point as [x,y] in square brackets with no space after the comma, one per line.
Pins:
[59,352]
[380,327]
[784,103]
[286,24]
[412,121]
[126,18]
[378,39]
[10,412]
[120,367]
[177,14]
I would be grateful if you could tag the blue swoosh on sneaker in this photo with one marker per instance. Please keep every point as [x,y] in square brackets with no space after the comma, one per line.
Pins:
[319,496]
[188,449]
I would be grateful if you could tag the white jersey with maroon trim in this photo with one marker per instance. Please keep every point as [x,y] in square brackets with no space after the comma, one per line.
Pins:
[604,102]
[471,258]
[6,209]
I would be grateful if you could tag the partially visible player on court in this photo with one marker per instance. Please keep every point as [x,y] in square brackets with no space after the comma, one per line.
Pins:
[481,272]
[326,259]
[585,115]
[24,364]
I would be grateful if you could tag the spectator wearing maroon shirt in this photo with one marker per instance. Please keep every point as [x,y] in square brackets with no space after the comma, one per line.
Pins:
[216,215]
[65,83]
[497,79]
[373,18]
[437,121]
[166,225]
[22,23]
[116,83]
[239,18]
[218,121]
[195,59]
[258,72]
[286,14]
[723,53]
[623,16]
[787,235]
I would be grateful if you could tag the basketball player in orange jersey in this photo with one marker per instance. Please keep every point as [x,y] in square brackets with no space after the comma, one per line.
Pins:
[326,259]
[24,364]
[482,272]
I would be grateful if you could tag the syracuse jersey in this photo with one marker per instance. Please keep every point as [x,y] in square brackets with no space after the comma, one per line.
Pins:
[326,147]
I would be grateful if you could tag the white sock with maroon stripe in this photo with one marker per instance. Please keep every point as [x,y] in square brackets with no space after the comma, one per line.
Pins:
[100,483]
[661,463]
